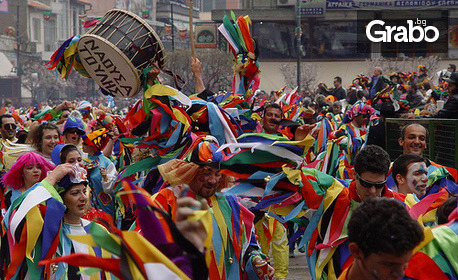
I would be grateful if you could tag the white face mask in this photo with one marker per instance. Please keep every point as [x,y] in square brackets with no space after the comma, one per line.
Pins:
[417,178]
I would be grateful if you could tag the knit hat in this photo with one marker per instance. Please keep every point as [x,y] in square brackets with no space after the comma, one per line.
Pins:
[97,139]
[74,123]
[204,151]
[69,180]
[359,108]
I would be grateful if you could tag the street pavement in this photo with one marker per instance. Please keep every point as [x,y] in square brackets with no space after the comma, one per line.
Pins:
[298,269]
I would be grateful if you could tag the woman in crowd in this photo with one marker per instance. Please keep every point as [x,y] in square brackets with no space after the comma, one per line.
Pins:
[75,199]
[31,228]
[73,129]
[66,153]
[45,138]
[29,169]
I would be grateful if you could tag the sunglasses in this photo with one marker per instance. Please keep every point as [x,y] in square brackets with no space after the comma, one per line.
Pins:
[10,126]
[72,130]
[368,184]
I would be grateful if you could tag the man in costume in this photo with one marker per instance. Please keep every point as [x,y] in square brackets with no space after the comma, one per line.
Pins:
[409,172]
[233,253]
[413,140]
[381,252]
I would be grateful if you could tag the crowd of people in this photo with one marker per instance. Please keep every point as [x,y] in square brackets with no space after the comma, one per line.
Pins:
[209,186]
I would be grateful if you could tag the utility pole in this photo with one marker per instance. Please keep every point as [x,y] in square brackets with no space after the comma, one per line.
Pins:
[298,44]
[173,26]
[18,54]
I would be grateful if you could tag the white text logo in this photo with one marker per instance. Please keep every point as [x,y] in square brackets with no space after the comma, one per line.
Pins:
[401,33]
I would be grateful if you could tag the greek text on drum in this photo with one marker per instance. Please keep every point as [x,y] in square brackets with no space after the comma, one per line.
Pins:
[116,51]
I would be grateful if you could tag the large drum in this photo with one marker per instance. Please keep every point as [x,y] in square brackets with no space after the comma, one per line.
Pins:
[117,49]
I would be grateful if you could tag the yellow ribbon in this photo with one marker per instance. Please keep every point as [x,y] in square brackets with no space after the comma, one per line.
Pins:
[34,226]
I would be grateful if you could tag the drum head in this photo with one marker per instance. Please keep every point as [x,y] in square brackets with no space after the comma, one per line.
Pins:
[108,66]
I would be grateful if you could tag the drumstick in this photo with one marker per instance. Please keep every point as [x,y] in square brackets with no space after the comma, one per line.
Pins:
[191,31]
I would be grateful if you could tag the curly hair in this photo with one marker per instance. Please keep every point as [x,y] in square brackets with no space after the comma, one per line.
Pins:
[401,163]
[37,139]
[373,159]
[383,225]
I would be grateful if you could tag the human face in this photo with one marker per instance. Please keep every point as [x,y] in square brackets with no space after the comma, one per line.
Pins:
[414,140]
[31,174]
[376,72]
[270,120]
[336,109]
[88,149]
[50,139]
[71,136]
[417,178]
[385,266]
[336,83]
[8,129]
[360,120]
[73,157]
[206,182]
[371,177]
[75,200]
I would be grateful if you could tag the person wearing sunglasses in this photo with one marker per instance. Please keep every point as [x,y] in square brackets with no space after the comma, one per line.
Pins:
[8,127]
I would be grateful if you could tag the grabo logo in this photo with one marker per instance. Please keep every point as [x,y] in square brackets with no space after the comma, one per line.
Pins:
[401,33]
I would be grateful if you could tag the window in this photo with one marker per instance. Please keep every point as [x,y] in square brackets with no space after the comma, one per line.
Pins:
[50,34]
[36,22]
[276,40]
[331,39]
[327,39]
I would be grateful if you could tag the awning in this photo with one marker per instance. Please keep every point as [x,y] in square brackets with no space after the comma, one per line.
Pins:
[39,5]
[6,65]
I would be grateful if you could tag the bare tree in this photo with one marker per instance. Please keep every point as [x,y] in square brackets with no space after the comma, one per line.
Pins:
[37,79]
[309,74]
[216,68]
[404,64]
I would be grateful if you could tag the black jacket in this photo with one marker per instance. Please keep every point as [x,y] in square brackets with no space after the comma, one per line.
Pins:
[450,110]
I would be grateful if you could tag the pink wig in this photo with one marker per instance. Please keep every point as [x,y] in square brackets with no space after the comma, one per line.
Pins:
[14,179]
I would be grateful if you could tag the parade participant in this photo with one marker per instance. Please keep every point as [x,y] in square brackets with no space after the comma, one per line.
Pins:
[45,138]
[409,172]
[72,190]
[271,119]
[29,169]
[381,240]
[338,91]
[32,228]
[376,84]
[272,235]
[73,129]
[101,171]
[8,127]
[327,246]
[414,97]
[450,110]
[413,139]
[234,249]
[337,108]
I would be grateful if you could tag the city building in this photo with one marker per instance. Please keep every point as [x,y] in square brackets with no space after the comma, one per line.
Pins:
[330,29]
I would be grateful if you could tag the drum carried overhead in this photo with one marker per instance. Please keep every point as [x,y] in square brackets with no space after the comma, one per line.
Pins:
[117,49]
